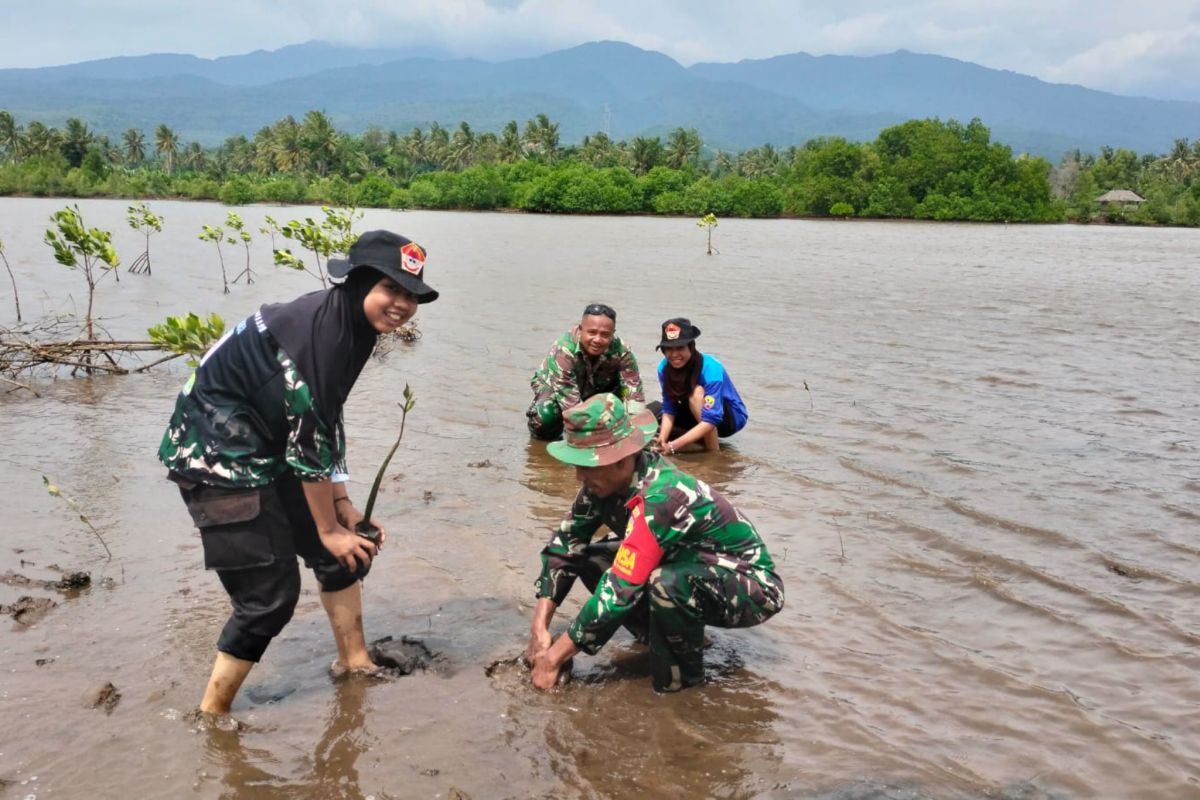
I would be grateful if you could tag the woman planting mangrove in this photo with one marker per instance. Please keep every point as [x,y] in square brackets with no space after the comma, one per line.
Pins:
[257,448]
[699,401]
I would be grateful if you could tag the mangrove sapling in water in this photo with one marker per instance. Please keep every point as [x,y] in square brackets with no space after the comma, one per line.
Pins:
[16,297]
[75,246]
[216,236]
[365,529]
[708,222]
[187,336]
[57,492]
[142,219]
[240,234]
[332,235]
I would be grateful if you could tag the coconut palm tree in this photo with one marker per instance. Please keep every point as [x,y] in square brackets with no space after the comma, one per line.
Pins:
[683,147]
[462,147]
[39,140]
[437,146]
[541,138]
[414,146]
[646,153]
[194,157]
[134,142]
[10,135]
[320,141]
[76,140]
[510,142]
[166,146]
[287,149]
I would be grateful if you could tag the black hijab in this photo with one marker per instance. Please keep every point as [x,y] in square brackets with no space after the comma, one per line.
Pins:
[328,338]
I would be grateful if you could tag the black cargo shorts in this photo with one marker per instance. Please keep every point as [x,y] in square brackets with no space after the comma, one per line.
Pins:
[251,538]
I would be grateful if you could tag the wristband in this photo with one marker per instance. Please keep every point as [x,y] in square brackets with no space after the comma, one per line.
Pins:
[338,499]
[671,447]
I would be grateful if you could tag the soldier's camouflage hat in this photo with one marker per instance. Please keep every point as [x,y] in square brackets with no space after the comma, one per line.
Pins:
[601,431]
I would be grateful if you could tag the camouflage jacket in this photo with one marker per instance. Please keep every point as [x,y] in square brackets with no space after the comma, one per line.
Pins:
[570,376]
[246,416]
[688,521]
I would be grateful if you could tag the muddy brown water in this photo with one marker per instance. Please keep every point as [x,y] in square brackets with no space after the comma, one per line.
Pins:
[985,506]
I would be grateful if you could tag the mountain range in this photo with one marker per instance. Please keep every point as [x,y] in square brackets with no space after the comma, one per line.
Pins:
[609,86]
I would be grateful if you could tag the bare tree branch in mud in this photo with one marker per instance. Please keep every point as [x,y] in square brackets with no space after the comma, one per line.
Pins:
[55,342]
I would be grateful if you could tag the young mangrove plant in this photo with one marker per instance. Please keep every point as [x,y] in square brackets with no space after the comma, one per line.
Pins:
[77,247]
[142,219]
[270,229]
[365,528]
[332,235]
[242,236]
[216,236]
[54,491]
[16,297]
[708,222]
[187,336]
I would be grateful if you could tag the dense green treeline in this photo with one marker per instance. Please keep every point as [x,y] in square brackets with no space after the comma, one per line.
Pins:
[921,169]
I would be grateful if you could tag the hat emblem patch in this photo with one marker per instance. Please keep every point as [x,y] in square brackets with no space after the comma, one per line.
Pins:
[412,258]
[671,331]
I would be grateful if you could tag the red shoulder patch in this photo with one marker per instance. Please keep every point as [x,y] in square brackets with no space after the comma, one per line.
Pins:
[640,552]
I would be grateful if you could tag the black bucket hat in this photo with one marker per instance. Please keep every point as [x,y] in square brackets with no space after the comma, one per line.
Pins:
[677,331]
[396,256]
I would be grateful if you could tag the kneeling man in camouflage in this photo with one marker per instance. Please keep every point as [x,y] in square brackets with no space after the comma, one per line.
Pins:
[684,557]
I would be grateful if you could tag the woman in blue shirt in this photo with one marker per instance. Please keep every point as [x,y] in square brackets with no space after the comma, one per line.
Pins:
[700,403]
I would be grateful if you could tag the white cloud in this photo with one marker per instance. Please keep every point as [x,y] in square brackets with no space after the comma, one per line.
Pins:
[1125,47]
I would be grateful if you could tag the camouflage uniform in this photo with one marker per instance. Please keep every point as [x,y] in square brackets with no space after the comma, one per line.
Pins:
[569,376]
[688,558]
[217,437]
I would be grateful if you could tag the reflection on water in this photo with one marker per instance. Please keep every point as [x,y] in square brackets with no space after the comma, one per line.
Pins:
[246,768]
[984,507]
[713,742]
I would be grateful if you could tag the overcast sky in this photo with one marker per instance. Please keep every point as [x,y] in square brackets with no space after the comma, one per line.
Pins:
[1149,47]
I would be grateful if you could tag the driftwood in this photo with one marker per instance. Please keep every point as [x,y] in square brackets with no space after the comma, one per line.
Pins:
[46,345]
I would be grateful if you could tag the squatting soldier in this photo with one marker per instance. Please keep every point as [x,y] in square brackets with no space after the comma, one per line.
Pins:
[587,360]
[687,557]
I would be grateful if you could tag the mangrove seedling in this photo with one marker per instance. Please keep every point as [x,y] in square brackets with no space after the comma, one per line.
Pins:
[142,219]
[365,529]
[240,234]
[75,246]
[216,236]
[332,235]
[16,297]
[708,222]
[188,336]
[57,492]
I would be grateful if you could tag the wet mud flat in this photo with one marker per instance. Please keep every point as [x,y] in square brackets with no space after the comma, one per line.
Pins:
[982,505]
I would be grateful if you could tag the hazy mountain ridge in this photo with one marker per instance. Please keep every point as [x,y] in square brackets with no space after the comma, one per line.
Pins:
[783,100]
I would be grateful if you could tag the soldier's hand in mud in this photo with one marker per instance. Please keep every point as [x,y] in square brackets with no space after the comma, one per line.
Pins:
[539,642]
[545,673]
[350,549]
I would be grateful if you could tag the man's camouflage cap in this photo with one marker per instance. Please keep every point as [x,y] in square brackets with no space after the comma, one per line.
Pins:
[601,431]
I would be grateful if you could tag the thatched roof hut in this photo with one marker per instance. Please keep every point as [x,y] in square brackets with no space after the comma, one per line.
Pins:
[1119,196]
